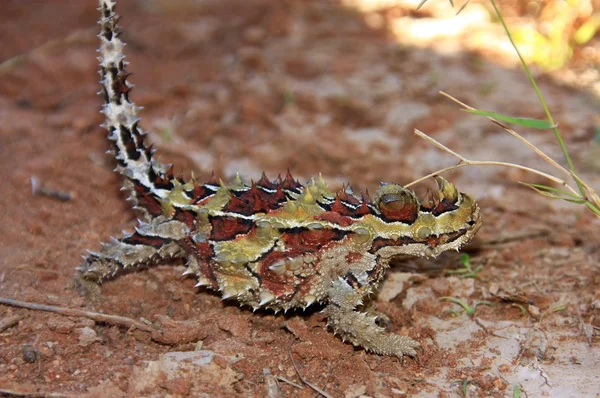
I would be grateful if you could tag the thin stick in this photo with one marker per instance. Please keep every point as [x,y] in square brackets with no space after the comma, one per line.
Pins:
[12,393]
[291,383]
[271,384]
[547,158]
[96,316]
[586,193]
[514,134]
[317,389]
[467,162]
[9,322]
[537,90]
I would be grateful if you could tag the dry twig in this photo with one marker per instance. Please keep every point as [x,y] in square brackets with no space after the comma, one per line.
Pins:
[9,322]
[291,383]
[96,316]
[317,389]
[12,393]
[467,162]
[587,194]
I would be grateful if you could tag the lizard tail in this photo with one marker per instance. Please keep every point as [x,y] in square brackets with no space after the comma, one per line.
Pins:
[145,178]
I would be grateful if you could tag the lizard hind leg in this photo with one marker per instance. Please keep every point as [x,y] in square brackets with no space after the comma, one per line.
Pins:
[360,328]
[122,254]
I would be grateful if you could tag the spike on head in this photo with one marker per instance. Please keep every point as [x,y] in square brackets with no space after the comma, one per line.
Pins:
[280,196]
[450,198]
[363,209]
[349,189]
[429,202]
[432,226]
[447,190]
[197,192]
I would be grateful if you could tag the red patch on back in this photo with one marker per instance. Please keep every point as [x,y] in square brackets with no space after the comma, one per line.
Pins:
[186,216]
[265,183]
[227,228]
[310,239]
[199,193]
[345,209]
[335,218]
[254,201]
[290,184]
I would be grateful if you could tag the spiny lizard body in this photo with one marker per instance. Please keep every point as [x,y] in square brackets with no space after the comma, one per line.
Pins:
[278,244]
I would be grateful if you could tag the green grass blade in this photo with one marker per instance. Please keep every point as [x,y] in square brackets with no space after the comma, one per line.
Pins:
[516,391]
[555,193]
[593,208]
[559,138]
[521,121]
[552,189]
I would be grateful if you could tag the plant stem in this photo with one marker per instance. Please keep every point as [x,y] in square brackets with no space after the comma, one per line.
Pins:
[541,98]
[467,162]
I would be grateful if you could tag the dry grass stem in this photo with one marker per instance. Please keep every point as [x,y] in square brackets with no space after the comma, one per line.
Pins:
[315,388]
[9,322]
[96,316]
[514,134]
[592,195]
[467,162]
[38,394]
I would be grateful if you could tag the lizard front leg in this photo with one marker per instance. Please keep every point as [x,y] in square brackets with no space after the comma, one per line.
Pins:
[359,327]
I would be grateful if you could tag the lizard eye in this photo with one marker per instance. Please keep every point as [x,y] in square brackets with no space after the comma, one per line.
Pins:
[399,206]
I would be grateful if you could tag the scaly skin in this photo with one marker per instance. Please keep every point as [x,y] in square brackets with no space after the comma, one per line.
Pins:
[271,244]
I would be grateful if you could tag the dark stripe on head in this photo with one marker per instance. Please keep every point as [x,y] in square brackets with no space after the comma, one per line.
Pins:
[379,243]
[443,206]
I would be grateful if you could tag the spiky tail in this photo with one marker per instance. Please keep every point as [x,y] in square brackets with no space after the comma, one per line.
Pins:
[147,180]
[144,176]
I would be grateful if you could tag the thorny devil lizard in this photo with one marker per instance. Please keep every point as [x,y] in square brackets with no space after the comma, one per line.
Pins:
[277,244]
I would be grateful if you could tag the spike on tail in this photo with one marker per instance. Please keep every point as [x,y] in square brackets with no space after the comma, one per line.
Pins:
[134,158]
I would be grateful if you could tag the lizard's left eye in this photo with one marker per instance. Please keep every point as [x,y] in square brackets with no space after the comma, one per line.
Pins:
[400,206]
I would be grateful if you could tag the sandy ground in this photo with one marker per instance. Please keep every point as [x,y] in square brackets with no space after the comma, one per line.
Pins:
[317,87]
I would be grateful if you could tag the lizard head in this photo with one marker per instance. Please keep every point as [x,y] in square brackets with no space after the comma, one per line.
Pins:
[403,224]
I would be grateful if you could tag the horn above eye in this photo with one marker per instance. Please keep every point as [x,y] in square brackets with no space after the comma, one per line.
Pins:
[399,206]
